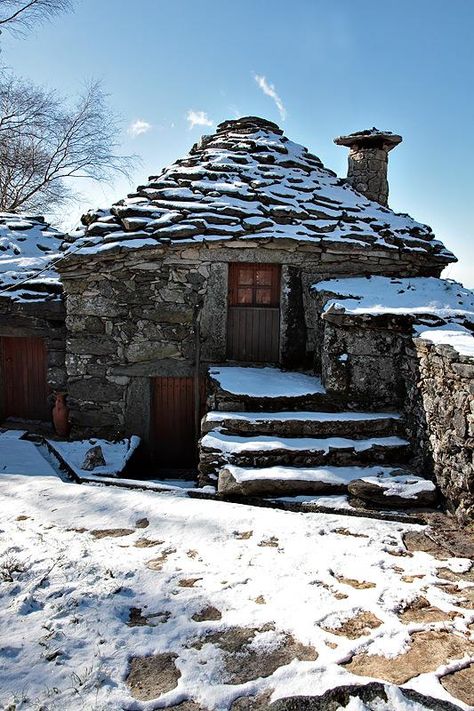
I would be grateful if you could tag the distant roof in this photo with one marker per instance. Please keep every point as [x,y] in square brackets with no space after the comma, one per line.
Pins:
[248,181]
[28,246]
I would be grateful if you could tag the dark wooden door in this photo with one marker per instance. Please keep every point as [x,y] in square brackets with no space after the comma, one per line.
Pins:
[175,429]
[253,324]
[24,378]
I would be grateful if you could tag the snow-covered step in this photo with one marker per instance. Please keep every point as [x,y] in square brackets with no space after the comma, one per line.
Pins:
[218,449]
[315,424]
[254,389]
[288,481]
[400,489]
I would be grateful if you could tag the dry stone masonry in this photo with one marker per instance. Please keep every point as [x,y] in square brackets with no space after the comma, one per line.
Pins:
[368,161]
[446,388]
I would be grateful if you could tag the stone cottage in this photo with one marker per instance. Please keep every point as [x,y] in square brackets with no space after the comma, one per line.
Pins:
[217,291]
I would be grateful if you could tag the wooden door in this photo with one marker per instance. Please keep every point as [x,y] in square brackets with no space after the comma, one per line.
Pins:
[24,378]
[175,429]
[253,324]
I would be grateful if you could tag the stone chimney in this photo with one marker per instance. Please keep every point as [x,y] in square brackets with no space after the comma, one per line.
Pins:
[368,161]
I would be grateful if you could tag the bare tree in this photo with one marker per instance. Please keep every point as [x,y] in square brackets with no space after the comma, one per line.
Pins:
[19,15]
[44,144]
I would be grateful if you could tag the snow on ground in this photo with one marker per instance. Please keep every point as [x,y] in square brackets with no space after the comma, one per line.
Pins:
[20,457]
[116,454]
[74,560]
[265,382]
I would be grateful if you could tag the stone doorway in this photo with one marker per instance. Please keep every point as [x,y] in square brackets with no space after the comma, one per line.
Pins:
[253,322]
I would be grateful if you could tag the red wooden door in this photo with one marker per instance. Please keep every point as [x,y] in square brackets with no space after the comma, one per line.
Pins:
[174,421]
[24,378]
[253,324]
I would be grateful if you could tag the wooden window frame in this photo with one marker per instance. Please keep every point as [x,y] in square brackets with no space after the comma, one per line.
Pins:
[237,285]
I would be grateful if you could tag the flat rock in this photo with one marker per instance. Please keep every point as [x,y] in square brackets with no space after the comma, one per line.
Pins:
[229,485]
[427,652]
[253,703]
[373,696]
[249,655]
[209,613]
[289,481]
[460,684]
[354,627]
[151,676]
[420,610]
[401,490]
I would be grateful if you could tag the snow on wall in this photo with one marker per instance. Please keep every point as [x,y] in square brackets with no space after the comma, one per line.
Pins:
[385,295]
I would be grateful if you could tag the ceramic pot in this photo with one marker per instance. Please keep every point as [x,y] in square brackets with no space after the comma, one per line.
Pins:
[61,416]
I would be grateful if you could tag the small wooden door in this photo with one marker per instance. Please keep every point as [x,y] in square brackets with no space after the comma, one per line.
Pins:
[24,378]
[175,428]
[253,324]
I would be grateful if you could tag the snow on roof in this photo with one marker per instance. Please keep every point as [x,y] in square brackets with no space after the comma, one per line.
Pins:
[248,181]
[420,297]
[28,246]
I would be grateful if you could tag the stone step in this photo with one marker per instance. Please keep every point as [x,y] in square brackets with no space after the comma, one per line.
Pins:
[218,449]
[294,481]
[266,389]
[372,487]
[356,425]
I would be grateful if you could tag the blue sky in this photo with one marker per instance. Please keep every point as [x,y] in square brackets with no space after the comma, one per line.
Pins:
[340,66]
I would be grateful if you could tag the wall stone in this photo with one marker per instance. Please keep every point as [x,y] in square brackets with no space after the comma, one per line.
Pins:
[442,405]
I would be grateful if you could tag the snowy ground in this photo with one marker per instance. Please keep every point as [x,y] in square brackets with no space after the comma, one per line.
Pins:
[75,559]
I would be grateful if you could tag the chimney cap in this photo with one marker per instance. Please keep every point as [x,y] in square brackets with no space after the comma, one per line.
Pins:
[370,138]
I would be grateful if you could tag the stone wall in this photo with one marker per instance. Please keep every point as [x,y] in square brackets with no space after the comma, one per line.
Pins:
[440,406]
[135,314]
[360,357]
[361,361]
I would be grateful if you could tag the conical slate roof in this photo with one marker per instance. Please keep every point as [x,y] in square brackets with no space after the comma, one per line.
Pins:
[248,181]
[28,248]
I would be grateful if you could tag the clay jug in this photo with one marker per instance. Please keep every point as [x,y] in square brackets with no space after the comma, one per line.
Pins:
[61,416]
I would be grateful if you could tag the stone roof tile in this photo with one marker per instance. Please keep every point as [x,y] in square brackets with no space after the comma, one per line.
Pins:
[270,187]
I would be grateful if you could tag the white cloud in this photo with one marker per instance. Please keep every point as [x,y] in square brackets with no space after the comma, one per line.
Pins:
[138,127]
[198,118]
[269,90]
